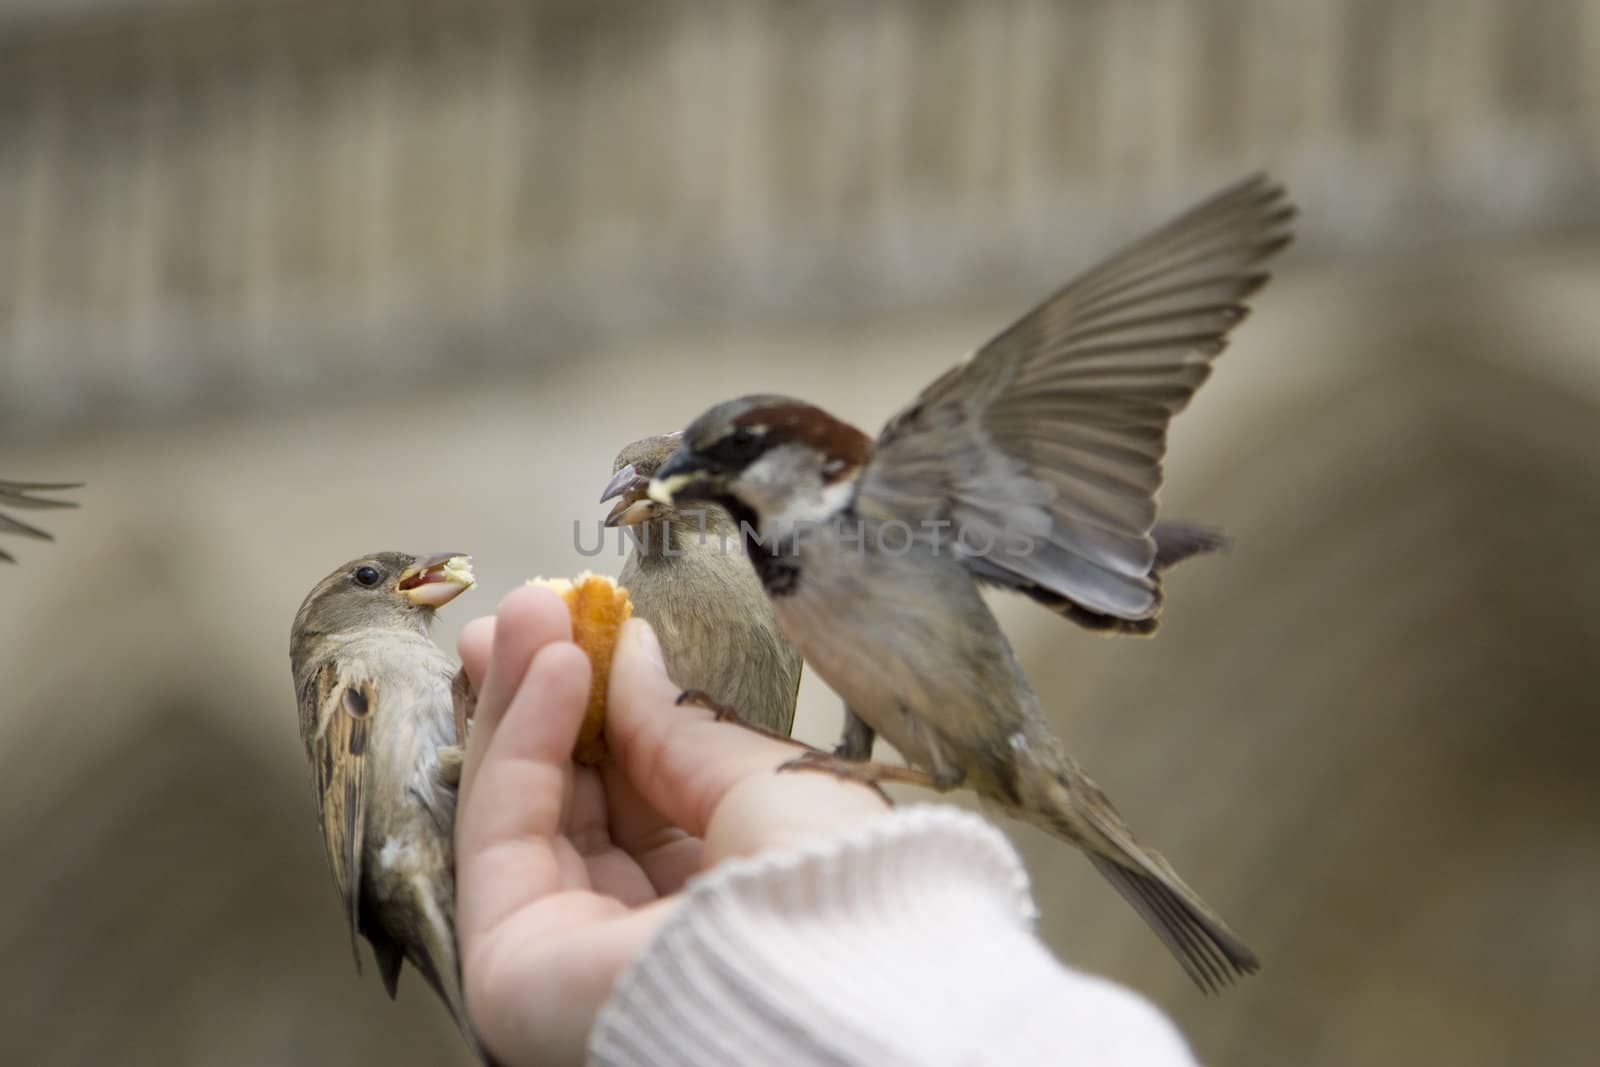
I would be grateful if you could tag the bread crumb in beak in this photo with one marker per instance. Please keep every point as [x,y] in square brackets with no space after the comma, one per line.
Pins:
[436,581]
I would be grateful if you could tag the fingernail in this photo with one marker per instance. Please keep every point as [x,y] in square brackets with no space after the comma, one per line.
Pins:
[640,636]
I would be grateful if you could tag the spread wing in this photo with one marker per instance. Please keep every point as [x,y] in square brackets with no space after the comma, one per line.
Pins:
[335,723]
[21,496]
[1044,449]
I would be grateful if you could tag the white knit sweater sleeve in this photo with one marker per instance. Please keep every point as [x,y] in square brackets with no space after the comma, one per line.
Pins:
[908,940]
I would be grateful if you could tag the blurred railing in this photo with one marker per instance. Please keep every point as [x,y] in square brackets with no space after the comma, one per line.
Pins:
[233,204]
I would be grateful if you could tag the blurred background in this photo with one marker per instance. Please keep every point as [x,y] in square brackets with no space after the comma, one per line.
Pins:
[286,282]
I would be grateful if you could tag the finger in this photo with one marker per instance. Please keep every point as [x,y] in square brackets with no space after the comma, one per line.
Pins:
[526,621]
[607,868]
[507,824]
[617,874]
[665,853]
[584,820]
[668,854]
[572,870]
[474,645]
[682,763]
[782,810]
[524,777]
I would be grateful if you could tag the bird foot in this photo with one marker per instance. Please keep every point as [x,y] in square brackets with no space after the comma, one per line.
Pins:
[867,772]
[701,699]
[725,713]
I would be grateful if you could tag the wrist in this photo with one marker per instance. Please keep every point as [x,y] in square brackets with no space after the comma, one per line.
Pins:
[907,939]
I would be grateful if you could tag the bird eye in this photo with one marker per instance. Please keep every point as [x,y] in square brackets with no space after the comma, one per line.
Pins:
[368,576]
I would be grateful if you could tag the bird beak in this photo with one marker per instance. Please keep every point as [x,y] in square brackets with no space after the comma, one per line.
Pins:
[435,581]
[684,475]
[635,506]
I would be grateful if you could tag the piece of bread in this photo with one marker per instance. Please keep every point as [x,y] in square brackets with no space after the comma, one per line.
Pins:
[599,607]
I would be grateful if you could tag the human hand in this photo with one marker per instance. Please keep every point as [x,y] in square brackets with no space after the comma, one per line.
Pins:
[564,873]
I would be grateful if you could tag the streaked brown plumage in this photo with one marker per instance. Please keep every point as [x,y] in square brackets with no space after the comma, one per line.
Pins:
[23,495]
[1032,466]
[376,717]
[716,626]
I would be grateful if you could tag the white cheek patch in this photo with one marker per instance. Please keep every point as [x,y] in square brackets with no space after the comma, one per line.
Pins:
[807,505]
[835,496]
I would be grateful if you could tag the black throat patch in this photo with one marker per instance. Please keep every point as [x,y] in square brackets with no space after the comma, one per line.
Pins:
[780,575]
[778,569]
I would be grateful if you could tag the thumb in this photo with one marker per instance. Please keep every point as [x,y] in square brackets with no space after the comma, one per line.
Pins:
[679,759]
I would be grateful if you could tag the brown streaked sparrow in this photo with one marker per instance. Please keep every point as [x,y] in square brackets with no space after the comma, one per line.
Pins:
[23,495]
[1032,466]
[687,576]
[378,725]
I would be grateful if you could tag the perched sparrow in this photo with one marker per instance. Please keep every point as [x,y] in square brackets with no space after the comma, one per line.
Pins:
[687,576]
[377,722]
[20,495]
[1032,466]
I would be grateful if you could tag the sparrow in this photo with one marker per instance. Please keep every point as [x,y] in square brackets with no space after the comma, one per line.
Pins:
[1032,466]
[21,495]
[378,724]
[687,577]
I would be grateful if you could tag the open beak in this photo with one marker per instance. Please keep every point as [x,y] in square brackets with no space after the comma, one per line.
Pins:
[684,475]
[634,506]
[436,580]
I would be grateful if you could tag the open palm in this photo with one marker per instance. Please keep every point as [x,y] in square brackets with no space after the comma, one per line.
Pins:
[564,873]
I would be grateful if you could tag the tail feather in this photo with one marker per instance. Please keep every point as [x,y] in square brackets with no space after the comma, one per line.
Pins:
[441,969]
[1074,808]
[447,984]
[1177,541]
[1210,953]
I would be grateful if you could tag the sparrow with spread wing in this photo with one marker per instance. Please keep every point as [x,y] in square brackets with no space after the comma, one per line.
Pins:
[1032,466]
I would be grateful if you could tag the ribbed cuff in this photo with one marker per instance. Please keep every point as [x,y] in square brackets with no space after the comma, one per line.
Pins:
[906,941]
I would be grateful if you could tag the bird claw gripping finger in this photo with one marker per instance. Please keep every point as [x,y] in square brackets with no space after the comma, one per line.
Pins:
[701,699]
[725,713]
[866,772]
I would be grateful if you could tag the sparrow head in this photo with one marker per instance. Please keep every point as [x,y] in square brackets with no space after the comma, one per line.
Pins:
[767,459]
[386,590]
[635,465]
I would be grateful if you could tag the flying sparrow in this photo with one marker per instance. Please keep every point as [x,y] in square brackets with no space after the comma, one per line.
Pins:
[22,495]
[376,718]
[687,576]
[1032,466]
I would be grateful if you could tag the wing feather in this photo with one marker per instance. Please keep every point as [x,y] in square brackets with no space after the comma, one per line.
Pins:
[22,495]
[336,724]
[1047,444]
